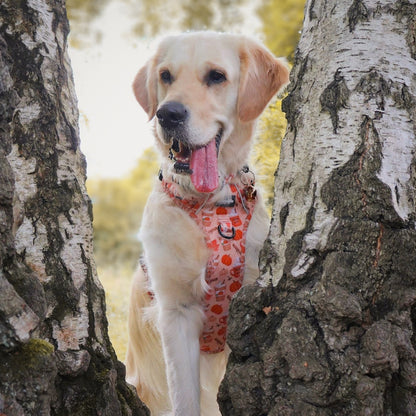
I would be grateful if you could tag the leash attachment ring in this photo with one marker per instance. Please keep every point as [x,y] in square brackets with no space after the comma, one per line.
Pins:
[227,236]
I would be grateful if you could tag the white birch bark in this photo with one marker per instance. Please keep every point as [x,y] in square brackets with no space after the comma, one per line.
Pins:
[365,45]
[333,334]
[55,354]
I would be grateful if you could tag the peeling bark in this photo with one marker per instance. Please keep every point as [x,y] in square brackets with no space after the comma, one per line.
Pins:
[330,328]
[55,354]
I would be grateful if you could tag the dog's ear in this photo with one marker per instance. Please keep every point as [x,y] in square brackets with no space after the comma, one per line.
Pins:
[262,76]
[144,87]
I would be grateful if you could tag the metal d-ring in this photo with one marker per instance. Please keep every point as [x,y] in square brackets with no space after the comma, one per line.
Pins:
[228,237]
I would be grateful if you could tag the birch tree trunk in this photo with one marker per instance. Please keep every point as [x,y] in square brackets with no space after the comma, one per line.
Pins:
[55,354]
[334,332]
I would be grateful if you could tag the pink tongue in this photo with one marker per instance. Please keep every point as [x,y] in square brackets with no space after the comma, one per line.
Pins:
[204,166]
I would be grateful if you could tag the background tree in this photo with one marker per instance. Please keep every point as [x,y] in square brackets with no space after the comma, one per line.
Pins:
[55,354]
[282,24]
[334,332]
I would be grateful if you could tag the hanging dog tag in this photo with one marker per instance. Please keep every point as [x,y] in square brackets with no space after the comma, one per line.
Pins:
[248,179]
[251,193]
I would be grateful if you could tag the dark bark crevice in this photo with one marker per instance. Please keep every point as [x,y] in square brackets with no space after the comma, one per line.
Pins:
[289,106]
[357,13]
[335,97]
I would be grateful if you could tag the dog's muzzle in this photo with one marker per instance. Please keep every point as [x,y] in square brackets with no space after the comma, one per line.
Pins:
[201,162]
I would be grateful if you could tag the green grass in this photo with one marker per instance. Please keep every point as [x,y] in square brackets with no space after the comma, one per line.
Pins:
[117,291]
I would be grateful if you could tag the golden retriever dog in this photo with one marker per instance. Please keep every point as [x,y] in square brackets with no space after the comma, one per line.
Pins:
[204,223]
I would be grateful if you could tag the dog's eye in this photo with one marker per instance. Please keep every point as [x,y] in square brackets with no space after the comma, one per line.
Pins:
[215,77]
[166,77]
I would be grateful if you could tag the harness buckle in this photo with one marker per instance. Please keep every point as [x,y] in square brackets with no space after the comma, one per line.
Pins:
[229,203]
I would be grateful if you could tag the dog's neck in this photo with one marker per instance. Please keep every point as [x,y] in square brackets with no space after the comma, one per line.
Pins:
[243,183]
[232,163]
[184,189]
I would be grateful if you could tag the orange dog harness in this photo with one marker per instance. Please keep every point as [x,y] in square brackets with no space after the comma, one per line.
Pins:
[225,229]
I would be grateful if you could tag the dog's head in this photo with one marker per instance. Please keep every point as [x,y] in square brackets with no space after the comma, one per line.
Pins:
[206,90]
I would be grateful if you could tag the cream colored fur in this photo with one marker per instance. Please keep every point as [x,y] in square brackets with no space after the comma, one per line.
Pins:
[163,360]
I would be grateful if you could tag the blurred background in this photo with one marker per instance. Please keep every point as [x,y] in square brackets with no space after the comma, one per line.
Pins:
[109,41]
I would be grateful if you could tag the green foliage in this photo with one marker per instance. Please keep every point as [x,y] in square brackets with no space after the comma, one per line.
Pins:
[84,9]
[80,14]
[118,206]
[266,149]
[210,14]
[282,23]
[117,294]
[154,17]
[157,16]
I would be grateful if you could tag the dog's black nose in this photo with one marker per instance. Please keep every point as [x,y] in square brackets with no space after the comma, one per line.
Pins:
[172,115]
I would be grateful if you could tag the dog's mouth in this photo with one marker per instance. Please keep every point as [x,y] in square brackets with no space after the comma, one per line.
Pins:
[199,162]
[180,153]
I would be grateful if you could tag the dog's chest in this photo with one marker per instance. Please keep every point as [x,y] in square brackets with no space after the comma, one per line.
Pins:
[225,229]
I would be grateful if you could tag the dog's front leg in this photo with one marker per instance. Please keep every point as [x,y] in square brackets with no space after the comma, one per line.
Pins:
[176,254]
[180,326]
